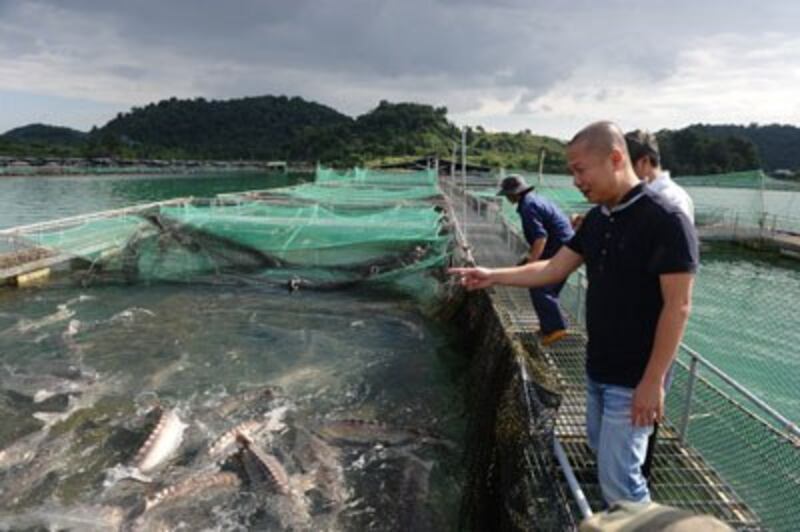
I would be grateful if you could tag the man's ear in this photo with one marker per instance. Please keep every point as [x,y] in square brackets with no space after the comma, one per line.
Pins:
[617,158]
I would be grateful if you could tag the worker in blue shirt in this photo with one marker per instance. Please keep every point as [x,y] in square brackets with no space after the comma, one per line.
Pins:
[546,229]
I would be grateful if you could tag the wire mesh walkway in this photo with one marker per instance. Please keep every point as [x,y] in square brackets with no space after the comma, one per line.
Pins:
[680,475]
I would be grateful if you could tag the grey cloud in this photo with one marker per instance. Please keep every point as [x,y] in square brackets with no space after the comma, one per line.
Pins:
[354,52]
[17,43]
[128,71]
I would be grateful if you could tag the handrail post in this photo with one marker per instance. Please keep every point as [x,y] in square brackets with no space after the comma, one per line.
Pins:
[572,482]
[581,298]
[687,407]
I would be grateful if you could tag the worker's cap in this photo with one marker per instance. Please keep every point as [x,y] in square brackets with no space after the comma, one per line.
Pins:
[514,184]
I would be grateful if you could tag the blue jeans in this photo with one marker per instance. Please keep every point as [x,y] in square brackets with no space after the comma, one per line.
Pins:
[545,303]
[619,446]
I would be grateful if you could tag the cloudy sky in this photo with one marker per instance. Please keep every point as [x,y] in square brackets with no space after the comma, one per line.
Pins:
[549,66]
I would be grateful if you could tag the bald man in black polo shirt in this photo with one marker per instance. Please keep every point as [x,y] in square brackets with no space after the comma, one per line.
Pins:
[640,253]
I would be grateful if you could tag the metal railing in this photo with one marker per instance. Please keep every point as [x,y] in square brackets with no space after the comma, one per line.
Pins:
[697,360]
[762,414]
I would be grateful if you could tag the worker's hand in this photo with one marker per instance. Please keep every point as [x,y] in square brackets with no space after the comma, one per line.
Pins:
[647,406]
[473,278]
[576,220]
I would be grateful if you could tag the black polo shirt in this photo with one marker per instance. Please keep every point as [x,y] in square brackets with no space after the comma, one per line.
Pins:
[625,250]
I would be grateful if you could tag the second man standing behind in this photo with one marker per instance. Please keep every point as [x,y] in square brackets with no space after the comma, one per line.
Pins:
[546,229]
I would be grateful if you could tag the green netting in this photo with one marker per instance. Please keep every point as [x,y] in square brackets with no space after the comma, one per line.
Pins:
[324,175]
[334,235]
[759,463]
[754,454]
[747,179]
[358,194]
[289,232]
[90,238]
[513,477]
[369,177]
[741,205]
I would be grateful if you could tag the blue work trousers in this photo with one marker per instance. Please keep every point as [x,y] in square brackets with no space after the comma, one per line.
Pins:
[545,303]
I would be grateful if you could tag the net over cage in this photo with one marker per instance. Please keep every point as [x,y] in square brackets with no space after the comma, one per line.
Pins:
[366,227]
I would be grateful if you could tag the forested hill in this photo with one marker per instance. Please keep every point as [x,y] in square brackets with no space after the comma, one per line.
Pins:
[265,127]
[44,134]
[43,140]
[300,131]
[292,129]
[778,145]
[693,151]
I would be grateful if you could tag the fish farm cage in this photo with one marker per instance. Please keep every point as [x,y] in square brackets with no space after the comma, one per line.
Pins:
[721,452]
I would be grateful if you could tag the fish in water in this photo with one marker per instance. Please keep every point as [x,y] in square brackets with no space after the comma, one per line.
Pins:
[22,450]
[161,443]
[260,427]
[412,496]
[25,325]
[367,432]
[42,386]
[195,485]
[227,441]
[51,517]
[146,515]
[127,316]
[262,467]
[323,462]
[34,475]
[157,379]
[246,398]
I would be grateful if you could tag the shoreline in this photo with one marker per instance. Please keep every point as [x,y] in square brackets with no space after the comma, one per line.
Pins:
[49,167]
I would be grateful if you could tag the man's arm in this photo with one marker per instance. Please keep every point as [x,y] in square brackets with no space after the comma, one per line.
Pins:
[539,273]
[648,398]
[537,248]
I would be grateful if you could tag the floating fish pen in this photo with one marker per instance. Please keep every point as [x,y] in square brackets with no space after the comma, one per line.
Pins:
[235,366]
[271,354]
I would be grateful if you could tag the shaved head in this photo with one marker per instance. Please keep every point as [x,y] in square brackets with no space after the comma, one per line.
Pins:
[597,158]
[600,138]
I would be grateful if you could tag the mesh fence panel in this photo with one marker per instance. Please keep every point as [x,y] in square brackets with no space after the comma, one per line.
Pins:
[759,462]
[347,230]
[745,322]
[513,478]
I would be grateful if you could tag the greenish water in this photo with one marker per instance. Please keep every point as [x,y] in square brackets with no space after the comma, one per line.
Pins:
[332,356]
[26,200]
[746,321]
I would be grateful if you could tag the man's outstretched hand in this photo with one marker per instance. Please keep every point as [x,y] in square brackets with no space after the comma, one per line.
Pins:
[473,278]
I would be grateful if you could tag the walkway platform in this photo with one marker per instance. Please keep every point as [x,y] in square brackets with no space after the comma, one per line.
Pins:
[787,244]
[681,477]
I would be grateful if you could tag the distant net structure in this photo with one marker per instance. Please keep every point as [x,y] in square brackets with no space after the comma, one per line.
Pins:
[347,229]
[744,204]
